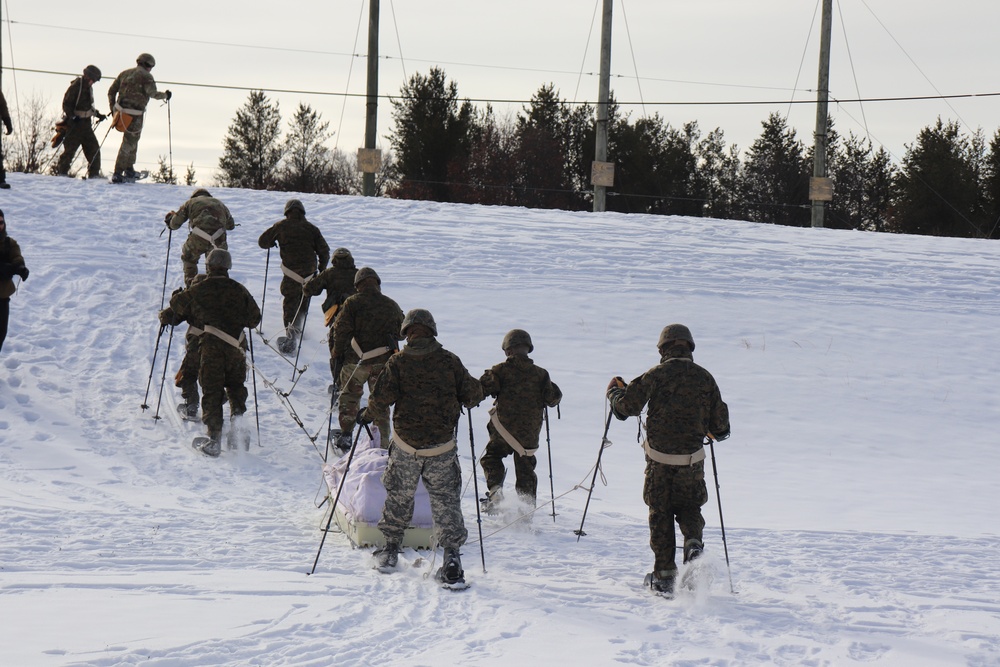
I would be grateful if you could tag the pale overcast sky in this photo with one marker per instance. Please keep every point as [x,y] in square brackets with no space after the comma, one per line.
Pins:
[700,54]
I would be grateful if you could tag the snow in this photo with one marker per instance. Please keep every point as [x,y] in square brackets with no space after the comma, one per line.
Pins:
[858,489]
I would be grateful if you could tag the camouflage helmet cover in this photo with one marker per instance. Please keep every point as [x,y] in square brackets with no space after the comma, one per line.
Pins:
[418,316]
[92,73]
[219,258]
[673,332]
[517,338]
[146,60]
[200,192]
[364,273]
[294,204]
[342,253]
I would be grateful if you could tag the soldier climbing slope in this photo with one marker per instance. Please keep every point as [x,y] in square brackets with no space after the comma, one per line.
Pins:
[209,220]
[338,281]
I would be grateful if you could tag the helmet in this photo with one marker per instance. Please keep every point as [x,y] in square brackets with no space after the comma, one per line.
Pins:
[219,258]
[294,204]
[517,338]
[342,253]
[417,316]
[673,332]
[145,60]
[364,273]
[92,73]
[200,192]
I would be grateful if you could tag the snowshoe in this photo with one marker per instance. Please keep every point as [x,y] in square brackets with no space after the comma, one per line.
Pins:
[286,344]
[129,176]
[450,575]
[342,441]
[491,503]
[661,583]
[387,558]
[188,411]
[209,446]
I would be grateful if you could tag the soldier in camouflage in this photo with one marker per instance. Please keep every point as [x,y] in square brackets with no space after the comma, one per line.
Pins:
[78,110]
[338,281]
[304,252]
[365,334]
[226,309]
[428,386]
[186,378]
[685,407]
[522,391]
[11,264]
[209,220]
[128,97]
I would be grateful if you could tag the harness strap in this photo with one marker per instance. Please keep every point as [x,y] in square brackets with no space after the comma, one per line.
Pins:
[370,354]
[131,112]
[194,331]
[211,238]
[291,274]
[673,459]
[226,338]
[430,451]
[506,435]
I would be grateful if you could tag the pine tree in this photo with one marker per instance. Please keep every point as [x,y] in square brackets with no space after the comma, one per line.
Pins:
[775,183]
[308,162]
[718,175]
[252,149]
[164,173]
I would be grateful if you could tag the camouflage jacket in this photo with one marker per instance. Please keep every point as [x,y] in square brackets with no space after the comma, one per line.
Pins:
[4,112]
[337,280]
[133,88]
[10,254]
[218,301]
[302,246]
[428,386]
[79,99]
[684,403]
[168,316]
[522,390]
[369,317]
[206,213]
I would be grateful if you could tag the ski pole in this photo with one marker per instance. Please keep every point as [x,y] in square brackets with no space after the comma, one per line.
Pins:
[101,145]
[263,295]
[152,365]
[170,143]
[163,378]
[166,265]
[722,524]
[253,375]
[336,498]
[302,334]
[552,487]
[597,466]
[475,487]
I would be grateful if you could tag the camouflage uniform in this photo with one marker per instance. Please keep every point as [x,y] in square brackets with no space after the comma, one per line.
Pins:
[11,264]
[522,390]
[338,281]
[130,93]
[428,387]
[5,118]
[685,405]
[222,303]
[372,320]
[211,218]
[78,109]
[303,251]
[187,375]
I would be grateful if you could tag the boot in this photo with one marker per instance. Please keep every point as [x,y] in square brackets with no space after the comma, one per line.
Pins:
[692,550]
[491,503]
[451,573]
[387,557]
[662,582]
[214,446]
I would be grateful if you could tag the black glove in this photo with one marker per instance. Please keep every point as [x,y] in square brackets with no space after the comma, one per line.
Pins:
[167,218]
[10,128]
[169,94]
[100,116]
[363,417]
[75,119]
[720,436]
[23,272]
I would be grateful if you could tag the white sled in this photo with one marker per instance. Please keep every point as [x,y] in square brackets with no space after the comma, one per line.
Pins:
[360,506]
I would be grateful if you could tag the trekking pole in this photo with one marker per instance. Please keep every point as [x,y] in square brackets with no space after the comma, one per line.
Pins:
[597,467]
[163,378]
[552,487]
[302,334]
[475,487]
[722,524]
[170,143]
[166,265]
[263,295]
[253,375]
[340,487]
[100,145]
[152,365]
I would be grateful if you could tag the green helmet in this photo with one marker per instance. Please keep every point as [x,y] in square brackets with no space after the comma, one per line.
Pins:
[92,73]
[364,273]
[200,192]
[294,204]
[418,316]
[145,60]
[673,332]
[342,253]
[219,258]
[517,338]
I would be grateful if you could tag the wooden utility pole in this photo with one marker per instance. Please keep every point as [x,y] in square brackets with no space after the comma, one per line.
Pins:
[820,186]
[602,172]
[369,157]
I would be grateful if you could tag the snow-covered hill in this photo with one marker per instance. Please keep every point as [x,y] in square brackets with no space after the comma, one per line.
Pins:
[859,487]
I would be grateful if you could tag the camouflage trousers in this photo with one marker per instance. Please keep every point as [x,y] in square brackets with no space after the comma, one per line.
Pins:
[192,250]
[673,493]
[222,375]
[526,481]
[295,303]
[80,133]
[129,149]
[353,378]
[187,377]
[442,477]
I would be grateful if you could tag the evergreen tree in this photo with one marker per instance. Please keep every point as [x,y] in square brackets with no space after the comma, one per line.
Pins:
[718,175]
[938,184]
[430,137]
[252,149]
[490,172]
[775,183]
[863,186]
[308,164]
[991,188]
[163,173]
[189,175]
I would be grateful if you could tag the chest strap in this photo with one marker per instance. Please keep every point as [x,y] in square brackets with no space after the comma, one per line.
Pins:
[430,451]
[507,436]
[211,238]
[291,274]
[226,338]
[370,354]
[673,459]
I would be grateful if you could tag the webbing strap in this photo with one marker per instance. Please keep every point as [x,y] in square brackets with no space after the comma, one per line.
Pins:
[431,451]
[194,331]
[506,435]
[211,238]
[131,112]
[673,459]
[226,338]
[291,274]
[370,354]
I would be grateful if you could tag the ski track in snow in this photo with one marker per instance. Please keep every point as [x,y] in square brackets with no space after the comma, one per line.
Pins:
[120,545]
